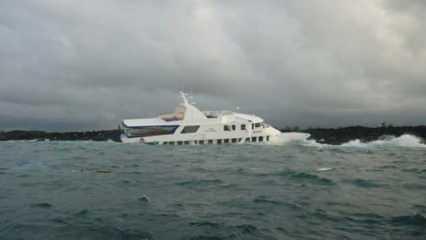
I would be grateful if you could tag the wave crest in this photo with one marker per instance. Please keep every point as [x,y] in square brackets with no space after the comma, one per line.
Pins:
[405,140]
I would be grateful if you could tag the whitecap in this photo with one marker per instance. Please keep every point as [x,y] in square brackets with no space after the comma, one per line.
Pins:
[325,169]
[405,140]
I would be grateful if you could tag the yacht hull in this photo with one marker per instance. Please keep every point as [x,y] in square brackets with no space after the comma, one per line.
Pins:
[264,136]
[188,125]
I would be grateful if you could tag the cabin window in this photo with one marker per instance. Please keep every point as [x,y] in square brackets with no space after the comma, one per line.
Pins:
[243,127]
[219,141]
[253,139]
[201,142]
[226,128]
[252,126]
[190,129]
[165,143]
[257,125]
[234,127]
[172,143]
[226,140]
[260,139]
[267,138]
[247,139]
[234,140]
[149,131]
[240,139]
[186,142]
[195,142]
[211,115]
[179,142]
[210,141]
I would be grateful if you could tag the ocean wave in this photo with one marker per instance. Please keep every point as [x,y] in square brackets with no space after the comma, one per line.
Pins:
[414,220]
[265,200]
[410,220]
[224,231]
[200,182]
[205,224]
[41,205]
[303,176]
[405,140]
[290,174]
[71,231]
[364,183]
[294,138]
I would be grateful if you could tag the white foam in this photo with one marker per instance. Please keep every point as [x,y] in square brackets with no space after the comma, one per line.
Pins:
[296,138]
[325,169]
[405,140]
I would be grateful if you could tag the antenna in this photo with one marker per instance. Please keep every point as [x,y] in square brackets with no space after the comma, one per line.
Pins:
[182,94]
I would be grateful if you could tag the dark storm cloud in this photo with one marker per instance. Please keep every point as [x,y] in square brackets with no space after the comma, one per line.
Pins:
[68,64]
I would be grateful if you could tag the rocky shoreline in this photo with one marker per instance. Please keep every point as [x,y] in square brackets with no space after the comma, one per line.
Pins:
[99,135]
[324,135]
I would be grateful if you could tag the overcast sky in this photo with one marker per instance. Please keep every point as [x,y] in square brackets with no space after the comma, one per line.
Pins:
[79,64]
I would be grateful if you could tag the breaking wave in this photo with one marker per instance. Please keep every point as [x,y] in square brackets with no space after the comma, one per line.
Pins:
[405,140]
[402,141]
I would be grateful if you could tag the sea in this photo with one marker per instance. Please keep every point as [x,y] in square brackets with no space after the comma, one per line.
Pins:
[295,189]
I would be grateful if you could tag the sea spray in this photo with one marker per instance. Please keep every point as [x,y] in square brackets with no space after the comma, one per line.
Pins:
[405,140]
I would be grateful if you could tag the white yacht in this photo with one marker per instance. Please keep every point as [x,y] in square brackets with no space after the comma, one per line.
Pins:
[189,125]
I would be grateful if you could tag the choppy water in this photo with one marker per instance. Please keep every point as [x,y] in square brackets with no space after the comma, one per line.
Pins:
[298,190]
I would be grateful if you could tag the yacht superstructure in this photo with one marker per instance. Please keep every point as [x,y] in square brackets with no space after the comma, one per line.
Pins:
[189,125]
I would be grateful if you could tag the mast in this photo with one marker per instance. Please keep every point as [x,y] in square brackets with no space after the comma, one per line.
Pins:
[192,114]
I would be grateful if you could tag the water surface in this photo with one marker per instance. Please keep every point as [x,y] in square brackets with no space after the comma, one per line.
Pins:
[300,190]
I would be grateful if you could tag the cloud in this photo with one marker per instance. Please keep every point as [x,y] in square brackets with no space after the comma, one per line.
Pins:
[308,63]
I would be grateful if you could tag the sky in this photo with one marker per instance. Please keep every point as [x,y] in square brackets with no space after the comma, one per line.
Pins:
[78,64]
